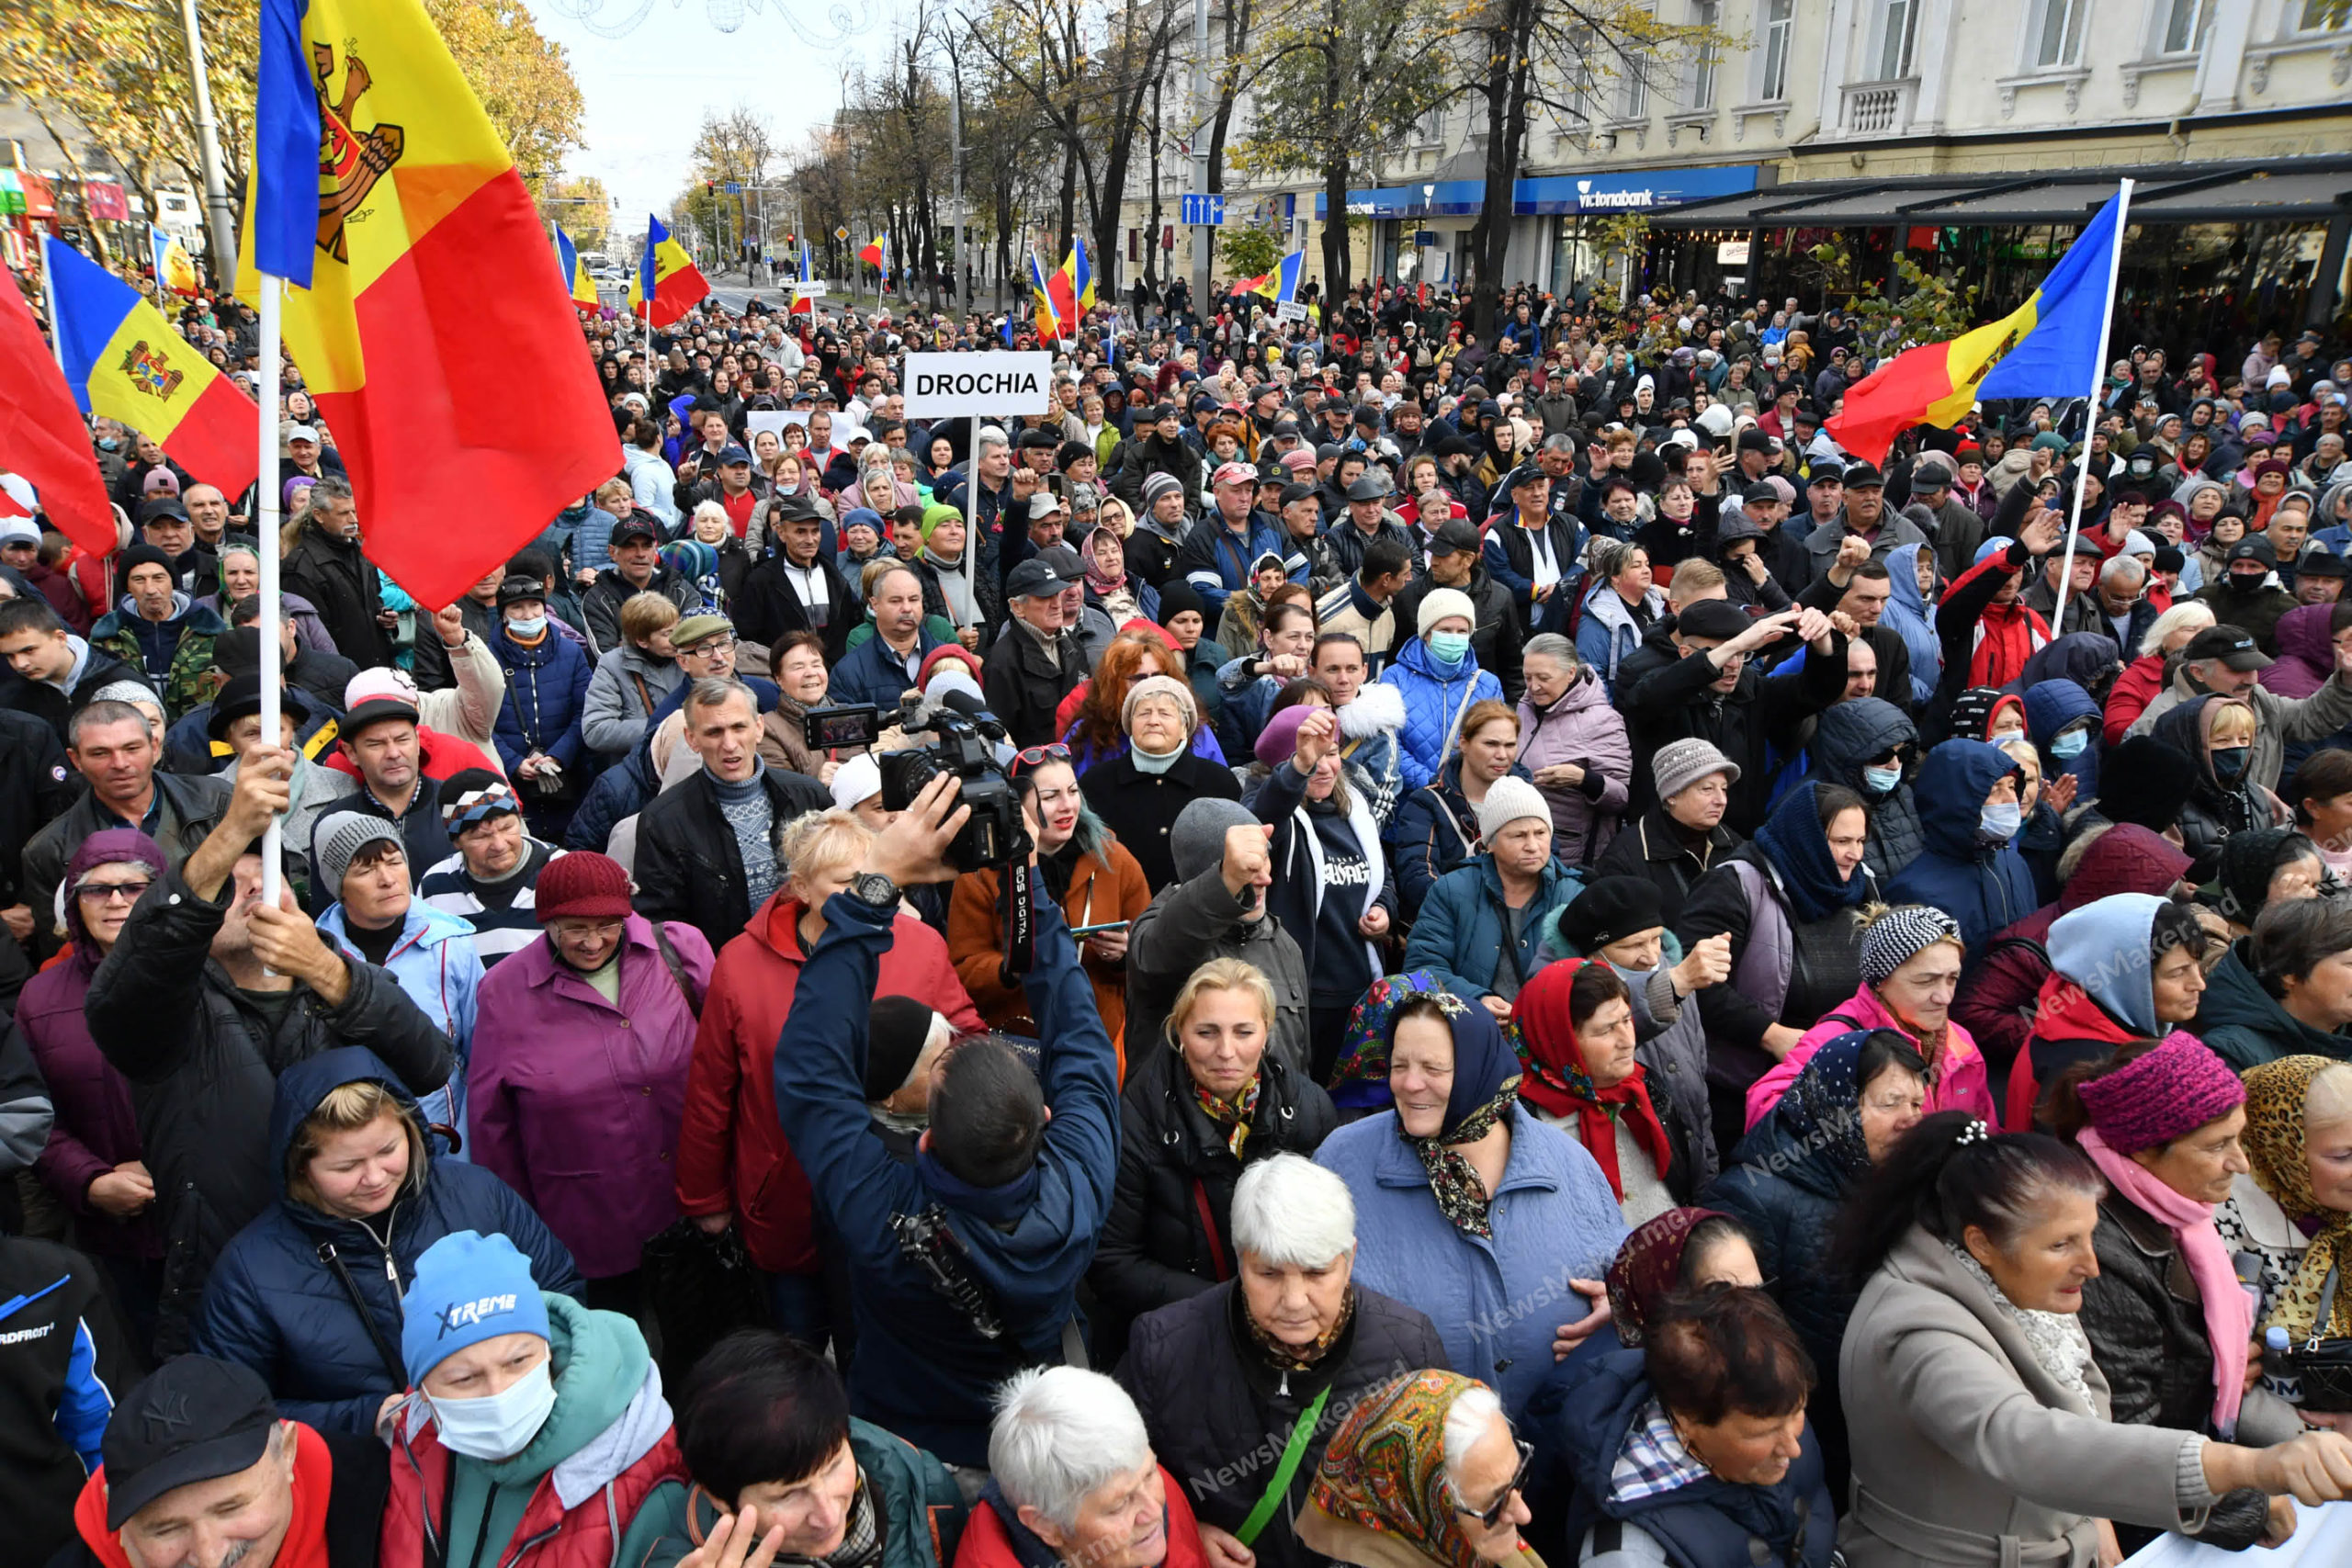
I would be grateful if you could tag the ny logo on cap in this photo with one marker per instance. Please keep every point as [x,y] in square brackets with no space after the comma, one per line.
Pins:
[168,1416]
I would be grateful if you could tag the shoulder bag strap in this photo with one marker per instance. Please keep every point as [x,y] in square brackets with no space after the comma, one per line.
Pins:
[1277,1487]
[676,966]
[333,1260]
[1208,1228]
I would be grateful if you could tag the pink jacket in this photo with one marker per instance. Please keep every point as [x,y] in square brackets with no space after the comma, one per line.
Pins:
[1960,1079]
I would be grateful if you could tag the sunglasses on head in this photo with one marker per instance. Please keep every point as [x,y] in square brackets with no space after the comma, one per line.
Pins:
[1038,756]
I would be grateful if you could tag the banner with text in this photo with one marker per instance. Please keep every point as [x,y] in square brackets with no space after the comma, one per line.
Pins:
[939,385]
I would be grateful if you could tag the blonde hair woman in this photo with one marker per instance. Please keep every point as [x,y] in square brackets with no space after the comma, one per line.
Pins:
[1201,1104]
[305,1293]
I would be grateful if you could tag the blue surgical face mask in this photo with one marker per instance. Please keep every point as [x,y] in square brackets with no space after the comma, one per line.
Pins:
[2001,822]
[528,625]
[498,1425]
[2229,762]
[2071,744]
[1882,781]
[1449,647]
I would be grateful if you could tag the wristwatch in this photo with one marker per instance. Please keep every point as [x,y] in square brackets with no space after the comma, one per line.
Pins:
[871,888]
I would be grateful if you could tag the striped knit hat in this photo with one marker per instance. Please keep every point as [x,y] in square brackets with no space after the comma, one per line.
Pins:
[1901,934]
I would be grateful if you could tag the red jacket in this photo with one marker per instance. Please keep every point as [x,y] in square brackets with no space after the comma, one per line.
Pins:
[561,1538]
[2064,1015]
[2138,686]
[439,756]
[1997,1003]
[988,1543]
[2005,635]
[732,1157]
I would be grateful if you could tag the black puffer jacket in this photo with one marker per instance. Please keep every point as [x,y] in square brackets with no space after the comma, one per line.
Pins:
[688,865]
[2214,810]
[1851,734]
[1220,1414]
[2146,1324]
[1176,1178]
[203,1065]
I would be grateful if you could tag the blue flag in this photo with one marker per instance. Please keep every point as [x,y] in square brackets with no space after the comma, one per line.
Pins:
[1004,330]
[2058,355]
[285,189]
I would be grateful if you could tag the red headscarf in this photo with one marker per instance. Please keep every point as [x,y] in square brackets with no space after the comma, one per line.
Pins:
[1557,1080]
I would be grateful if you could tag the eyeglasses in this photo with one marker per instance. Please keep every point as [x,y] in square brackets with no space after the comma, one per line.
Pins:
[103,892]
[709,645]
[1038,756]
[1492,1515]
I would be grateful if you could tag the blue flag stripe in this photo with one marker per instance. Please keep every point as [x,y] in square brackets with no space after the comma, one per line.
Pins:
[286,147]
[2059,358]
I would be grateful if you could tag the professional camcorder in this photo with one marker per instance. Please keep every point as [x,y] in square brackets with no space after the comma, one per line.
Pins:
[961,729]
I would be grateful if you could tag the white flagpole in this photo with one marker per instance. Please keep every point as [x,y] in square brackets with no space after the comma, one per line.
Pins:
[273,661]
[2091,414]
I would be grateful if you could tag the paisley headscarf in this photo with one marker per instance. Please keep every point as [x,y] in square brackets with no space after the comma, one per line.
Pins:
[1359,1078]
[1648,1268]
[2275,1094]
[1384,1471]
[1486,1086]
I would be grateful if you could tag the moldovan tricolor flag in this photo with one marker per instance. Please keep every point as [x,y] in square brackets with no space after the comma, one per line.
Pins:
[575,272]
[2057,355]
[175,268]
[666,275]
[124,361]
[417,292]
[1932,384]
[43,437]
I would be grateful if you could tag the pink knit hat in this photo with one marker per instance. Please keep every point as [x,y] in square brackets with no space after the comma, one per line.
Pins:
[2167,1093]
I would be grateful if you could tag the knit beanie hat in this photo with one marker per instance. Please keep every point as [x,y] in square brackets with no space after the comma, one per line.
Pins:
[1507,800]
[1196,844]
[938,512]
[1177,597]
[1612,909]
[1159,484]
[858,779]
[947,653]
[1442,603]
[1682,763]
[472,794]
[2144,781]
[469,1288]
[897,1028]
[2164,1094]
[1166,686]
[338,838]
[953,675]
[1278,742]
[1900,935]
[582,885]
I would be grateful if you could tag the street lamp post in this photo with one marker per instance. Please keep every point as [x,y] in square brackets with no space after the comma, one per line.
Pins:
[1428,206]
[222,224]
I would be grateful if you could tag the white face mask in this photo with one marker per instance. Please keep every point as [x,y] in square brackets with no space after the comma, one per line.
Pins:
[499,1425]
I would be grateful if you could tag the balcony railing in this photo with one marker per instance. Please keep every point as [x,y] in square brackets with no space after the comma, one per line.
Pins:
[1871,108]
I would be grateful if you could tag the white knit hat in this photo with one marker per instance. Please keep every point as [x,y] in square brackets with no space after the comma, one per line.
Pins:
[859,779]
[1507,800]
[1442,603]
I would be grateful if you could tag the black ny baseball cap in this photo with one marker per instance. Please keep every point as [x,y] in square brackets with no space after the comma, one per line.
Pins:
[192,1419]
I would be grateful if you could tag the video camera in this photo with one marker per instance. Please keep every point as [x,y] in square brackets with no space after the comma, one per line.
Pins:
[961,729]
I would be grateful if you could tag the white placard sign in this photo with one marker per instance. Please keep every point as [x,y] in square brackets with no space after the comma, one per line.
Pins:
[773,418]
[1009,383]
[1291,311]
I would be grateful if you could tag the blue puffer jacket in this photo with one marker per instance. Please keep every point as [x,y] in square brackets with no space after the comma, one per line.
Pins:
[274,1303]
[547,695]
[1581,1425]
[2050,707]
[1847,737]
[1463,932]
[1984,888]
[1434,830]
[1434,704]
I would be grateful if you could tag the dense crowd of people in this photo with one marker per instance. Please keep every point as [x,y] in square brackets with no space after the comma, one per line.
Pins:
[1581,973]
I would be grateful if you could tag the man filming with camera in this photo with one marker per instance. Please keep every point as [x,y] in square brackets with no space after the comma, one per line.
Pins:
[964,1266]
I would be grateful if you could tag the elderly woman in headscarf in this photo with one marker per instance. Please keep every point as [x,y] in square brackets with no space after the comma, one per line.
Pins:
[1575,1022]
[1424,1473]
[1272,1356]
[1425,1176]
[2167,1316]
[2292,1210]
[241,579]
[92,1163]
[1789,1179]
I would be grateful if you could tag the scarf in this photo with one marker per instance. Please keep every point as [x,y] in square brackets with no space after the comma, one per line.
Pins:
[1101,582]
[1232,1116]
[2057,1338]
[1486,1086]
[1287,1359]
[2229,1316]
[1648,1266]
[1385,1470]
[2276,1093]
[1792,838]
[1555,1078]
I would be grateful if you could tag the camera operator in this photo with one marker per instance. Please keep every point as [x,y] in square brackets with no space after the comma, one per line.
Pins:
[964,1265]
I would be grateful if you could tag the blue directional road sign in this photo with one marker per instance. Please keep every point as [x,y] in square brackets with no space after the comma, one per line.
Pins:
[1201,211]
[734,188]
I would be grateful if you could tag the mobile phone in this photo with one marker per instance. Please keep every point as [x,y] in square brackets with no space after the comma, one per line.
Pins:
[1106,926]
